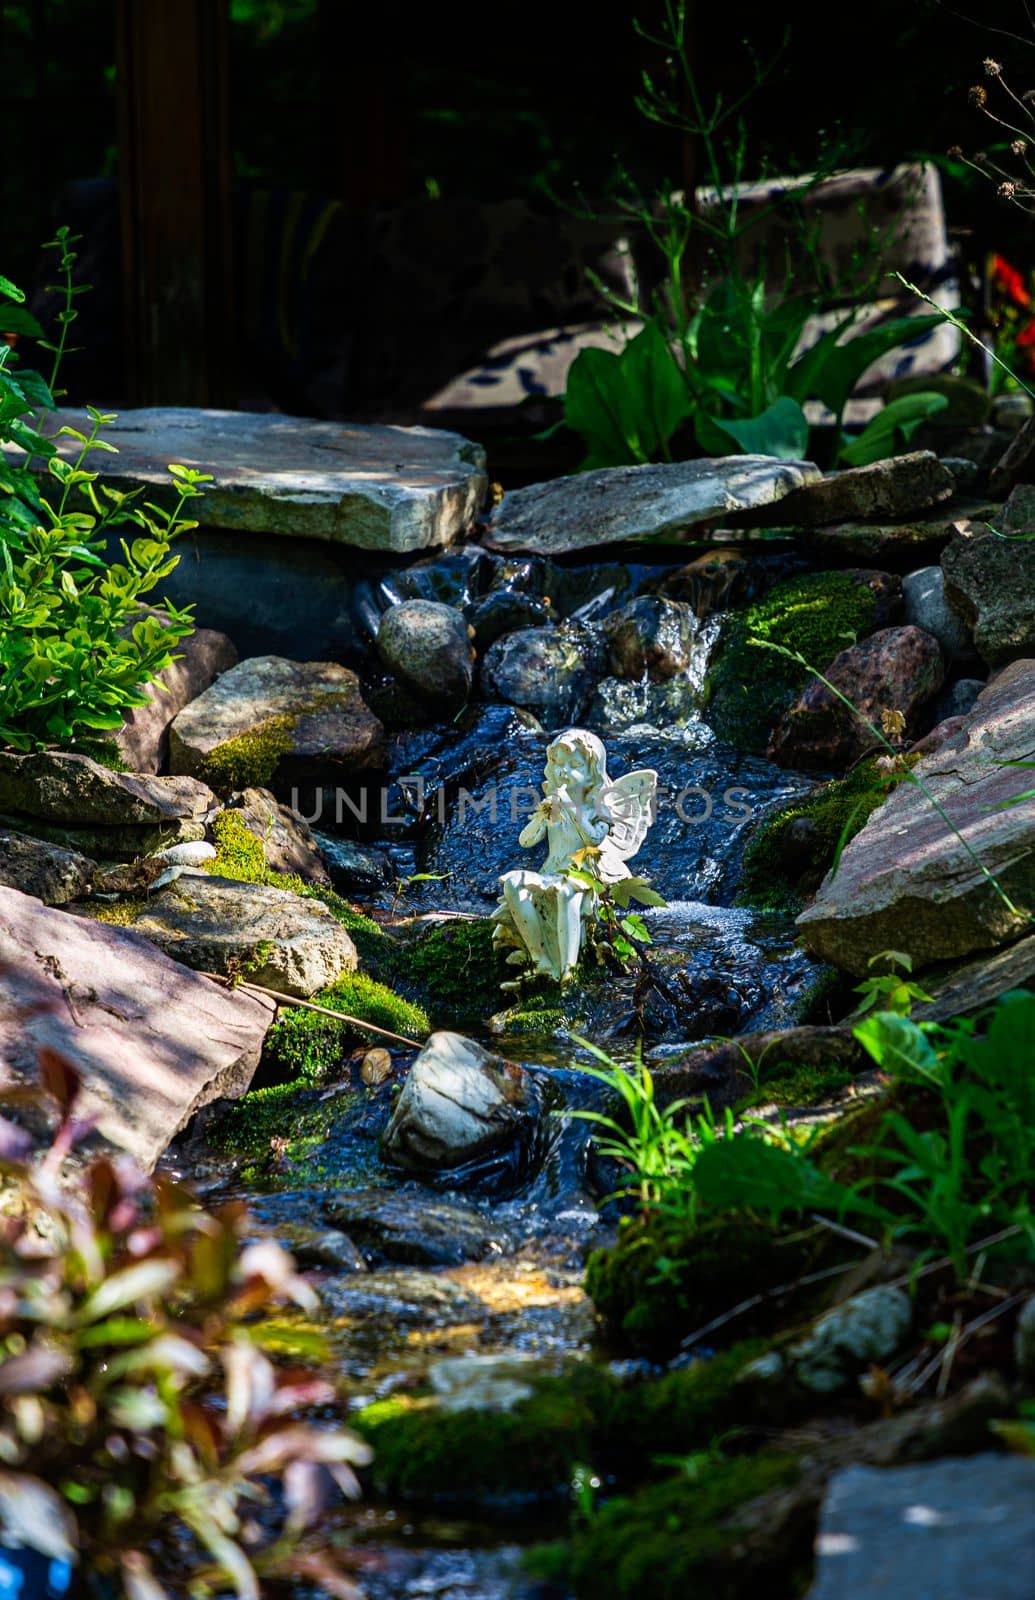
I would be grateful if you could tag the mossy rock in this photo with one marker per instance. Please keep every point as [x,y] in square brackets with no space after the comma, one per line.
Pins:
[684,1537]
[789,1083]
[789,855]
[242,857]
[306,1045]
[817,615]
[249,760]
[454,968]
[664,1279]
[427,1453]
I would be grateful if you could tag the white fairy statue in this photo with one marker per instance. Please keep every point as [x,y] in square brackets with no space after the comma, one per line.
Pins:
[541,914]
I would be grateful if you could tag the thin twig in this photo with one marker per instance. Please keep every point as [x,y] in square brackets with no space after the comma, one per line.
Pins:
[846,1233]
[310,1005]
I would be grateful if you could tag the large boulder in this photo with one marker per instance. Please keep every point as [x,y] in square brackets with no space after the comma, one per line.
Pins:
[460,1107]
[269,722]
[143,739]
[153,1041]
[270,936]
[894,672]
[378,488]
[614,504]
[990,580]
[426,645]
[950,871]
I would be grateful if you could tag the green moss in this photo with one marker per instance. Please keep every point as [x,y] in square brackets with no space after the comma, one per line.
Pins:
[307,1045]
[120,913]
[663,1280]
[786,1083]
[250,759]
[790,854]
[681,1538]
[275,1128]
[456,968]
[586,1416]
[818,615]
[531,1020]
[105,752]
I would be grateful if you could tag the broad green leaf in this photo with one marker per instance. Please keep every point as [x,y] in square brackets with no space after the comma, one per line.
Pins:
[893,425]
[781,431]
[15,319]
[626,405]
[831,370]
[746,1173]
[896,1043]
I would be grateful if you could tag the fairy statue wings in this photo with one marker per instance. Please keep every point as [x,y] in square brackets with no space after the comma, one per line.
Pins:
[629,805]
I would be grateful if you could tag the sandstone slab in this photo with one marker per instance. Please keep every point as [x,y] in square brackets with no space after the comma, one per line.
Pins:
[614,504]
[270,936]
[270,721]
[990,581]
[152,1040]
[78,791]
[45,871]
[942,889]
[143,739]
[377,488]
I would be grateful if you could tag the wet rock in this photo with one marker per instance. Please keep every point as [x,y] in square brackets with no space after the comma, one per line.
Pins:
[990,581]
[154,1041]
[416,1229]
[505,612]
[455,578]
[894,543]
[893,672]
[897,487]
[327,1249]
[614,504]
[548,671]
[953,1529]
[402,1297]
[906,882]
[482,1383]
[45,871]
[649,637]
[269,722]
[714,581]
[77,791]
[288,841]
[143,740]
[354,866]
[617,703]
[460,1106]
[956,699]
[724,1069]
[1024,1343]
[426,645]
[270,936]
[376,1067]
[374,487]
[851,1337]
[925,606]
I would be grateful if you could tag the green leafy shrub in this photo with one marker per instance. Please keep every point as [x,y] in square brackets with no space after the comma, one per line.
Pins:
[141,1418]
[77,643]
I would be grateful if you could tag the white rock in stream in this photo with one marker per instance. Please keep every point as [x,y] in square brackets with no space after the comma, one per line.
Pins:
[459,1104]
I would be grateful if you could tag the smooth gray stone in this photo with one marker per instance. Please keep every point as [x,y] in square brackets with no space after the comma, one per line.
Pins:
[956,1529]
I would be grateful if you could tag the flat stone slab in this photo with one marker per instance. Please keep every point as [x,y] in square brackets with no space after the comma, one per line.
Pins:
[378,488]
[897,487]
[80,792]
[907,882]
[153,1041]
[955,1529]
[614,504]
[416,1230]
[272,937]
